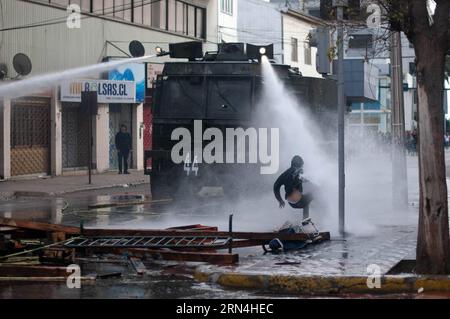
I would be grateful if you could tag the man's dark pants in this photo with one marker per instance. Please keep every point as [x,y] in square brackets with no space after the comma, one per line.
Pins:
[123,156]
[304,204]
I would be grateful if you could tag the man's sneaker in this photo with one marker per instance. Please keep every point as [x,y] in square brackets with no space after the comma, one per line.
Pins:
[127,173]
[120,173]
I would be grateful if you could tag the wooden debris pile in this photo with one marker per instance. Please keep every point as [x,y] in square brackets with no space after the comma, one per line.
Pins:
[30,249]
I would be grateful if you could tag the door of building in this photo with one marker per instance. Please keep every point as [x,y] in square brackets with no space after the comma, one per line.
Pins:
[75,137]
[30,136]
[119,114]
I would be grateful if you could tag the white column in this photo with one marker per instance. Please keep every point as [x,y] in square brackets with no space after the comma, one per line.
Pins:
[101,138]
[56,135]
[5,139]
[138,137]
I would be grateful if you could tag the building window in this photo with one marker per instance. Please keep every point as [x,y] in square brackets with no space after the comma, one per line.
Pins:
[172,15]
[63,3]
[307,50]
[119,9]
[226,6]
[412,68]
[294,48]
[137,11]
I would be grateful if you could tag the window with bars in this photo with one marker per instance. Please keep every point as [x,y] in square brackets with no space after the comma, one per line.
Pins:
[170,15]
[30,124]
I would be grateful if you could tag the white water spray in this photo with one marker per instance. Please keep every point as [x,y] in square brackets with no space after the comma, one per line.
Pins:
[368,174]
[38,83]
[299,136]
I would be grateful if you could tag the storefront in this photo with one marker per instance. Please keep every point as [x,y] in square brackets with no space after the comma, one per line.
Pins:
[30,136]
[117,106]
[75,138]
[119,114]
[130,115]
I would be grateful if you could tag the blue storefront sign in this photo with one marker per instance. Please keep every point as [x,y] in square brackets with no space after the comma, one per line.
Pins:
[131,72]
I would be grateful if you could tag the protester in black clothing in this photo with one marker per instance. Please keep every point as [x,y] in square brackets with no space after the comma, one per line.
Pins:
[123,146]
[293,185]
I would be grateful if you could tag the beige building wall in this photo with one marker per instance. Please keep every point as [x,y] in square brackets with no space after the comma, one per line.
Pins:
[101,138]
[138,133]
[57,47]
[5,138]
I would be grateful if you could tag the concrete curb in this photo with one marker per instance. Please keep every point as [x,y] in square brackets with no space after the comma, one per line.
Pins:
[288,284]
[76,190]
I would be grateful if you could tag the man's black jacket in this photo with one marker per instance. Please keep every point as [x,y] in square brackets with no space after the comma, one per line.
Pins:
[291,179]
[123,141]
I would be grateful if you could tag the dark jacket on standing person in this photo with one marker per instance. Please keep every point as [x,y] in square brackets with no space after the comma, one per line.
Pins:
[123,141]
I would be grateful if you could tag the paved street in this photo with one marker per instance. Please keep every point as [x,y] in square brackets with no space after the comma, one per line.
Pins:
[388,240]
[50,186]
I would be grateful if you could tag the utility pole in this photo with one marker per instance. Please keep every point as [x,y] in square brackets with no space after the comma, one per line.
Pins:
[89,106]
[339,5]
[399,175]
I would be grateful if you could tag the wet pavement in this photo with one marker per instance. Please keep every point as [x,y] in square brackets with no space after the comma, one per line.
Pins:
[340,256]
[60,185]
[389,239]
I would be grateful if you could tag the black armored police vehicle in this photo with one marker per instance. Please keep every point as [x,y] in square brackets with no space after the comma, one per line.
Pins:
[196,100]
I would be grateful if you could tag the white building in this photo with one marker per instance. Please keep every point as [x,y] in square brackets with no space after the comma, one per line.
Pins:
[281,23]
[297,51]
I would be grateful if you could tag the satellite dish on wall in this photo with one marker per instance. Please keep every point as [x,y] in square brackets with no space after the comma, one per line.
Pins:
[136,49]
[22,64]
[3,71]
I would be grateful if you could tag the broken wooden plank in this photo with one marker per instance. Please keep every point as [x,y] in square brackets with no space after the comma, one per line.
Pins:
[57,237]
[57,255]
[129,203]
[138,265]
[84,279]
[32,271]
[197,227]
[212,258]
[7,229]
[172,233]
[248,243]
[47,227]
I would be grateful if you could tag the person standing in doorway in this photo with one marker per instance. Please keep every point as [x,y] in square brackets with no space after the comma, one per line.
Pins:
[123,146]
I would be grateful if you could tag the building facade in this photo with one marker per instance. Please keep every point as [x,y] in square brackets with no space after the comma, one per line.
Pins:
[297,51]
[285,24]
[45,132]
